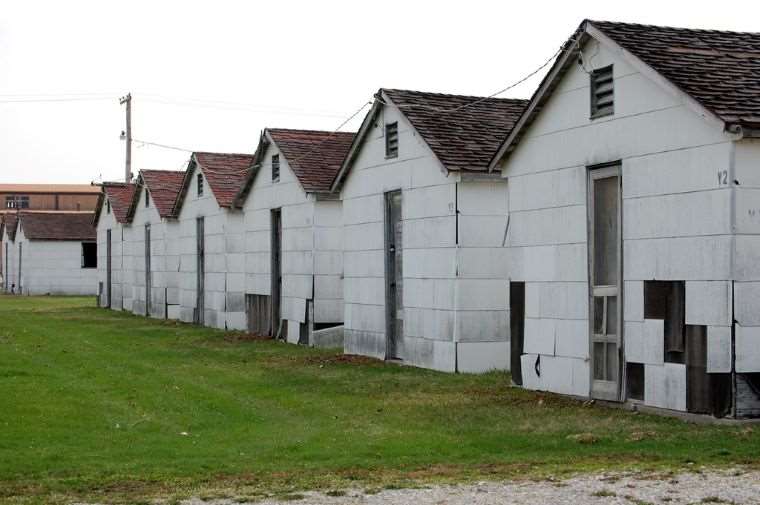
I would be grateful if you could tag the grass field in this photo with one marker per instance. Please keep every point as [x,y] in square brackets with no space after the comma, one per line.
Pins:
[98,405]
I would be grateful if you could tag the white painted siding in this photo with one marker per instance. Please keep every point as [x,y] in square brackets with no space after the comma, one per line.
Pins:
[54,267]
[455,293]
[312,243]
[224,308]
[676,222]
[164,261]
[119,277]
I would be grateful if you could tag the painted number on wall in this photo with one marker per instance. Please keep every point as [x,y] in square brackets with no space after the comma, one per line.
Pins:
[722,177]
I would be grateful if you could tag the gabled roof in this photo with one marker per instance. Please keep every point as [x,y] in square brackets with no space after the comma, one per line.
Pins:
[718,71]
[120,195]
[314,156]
[225,174]
[164,187]
[462,131]
[58,225]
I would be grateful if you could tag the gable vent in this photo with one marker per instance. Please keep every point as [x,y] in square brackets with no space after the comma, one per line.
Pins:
[391,140]
[602,92]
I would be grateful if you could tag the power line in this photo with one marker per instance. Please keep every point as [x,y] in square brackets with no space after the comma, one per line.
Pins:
[492,95]
[61,99]
[164,146]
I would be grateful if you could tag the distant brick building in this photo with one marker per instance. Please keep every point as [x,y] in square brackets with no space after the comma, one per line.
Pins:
[83,197]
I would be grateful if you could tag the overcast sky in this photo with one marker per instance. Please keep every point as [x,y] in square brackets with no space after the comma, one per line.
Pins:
[210,75]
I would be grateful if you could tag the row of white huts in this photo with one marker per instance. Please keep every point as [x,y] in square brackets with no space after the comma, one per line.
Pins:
[600,240]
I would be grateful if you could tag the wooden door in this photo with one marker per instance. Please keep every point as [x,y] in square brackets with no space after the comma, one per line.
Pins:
[108,268]
[200,281]
[394,276]
[605,273]
[276,275]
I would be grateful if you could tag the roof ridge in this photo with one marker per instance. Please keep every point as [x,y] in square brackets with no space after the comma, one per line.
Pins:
[302,130]
[669,27]
[452,95]
[222,154]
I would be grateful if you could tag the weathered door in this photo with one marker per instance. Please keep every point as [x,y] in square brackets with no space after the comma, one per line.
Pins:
[605,273]
[276,277]
[108,269]
[6,273]
[19,268]
[200,281]
[517,329]
[394,285]
[148,276]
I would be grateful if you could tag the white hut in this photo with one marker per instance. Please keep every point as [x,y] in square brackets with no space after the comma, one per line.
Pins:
[293,222]
[155,244]
[634,242]
[56,254]
[424,226]
[112,228]
[212,240]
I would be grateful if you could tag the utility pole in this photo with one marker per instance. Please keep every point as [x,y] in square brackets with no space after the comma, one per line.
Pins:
[128,137]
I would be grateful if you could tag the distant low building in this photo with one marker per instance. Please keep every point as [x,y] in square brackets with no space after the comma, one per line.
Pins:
[51,253]
[71,197]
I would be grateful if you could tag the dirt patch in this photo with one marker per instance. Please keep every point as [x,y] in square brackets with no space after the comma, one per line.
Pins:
[340,359]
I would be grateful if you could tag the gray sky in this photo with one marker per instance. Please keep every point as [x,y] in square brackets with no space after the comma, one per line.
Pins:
[211,75]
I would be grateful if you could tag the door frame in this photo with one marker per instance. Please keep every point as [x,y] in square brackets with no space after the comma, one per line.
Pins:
[601,389]
[108,268]
[275,251]
[389,259]
[200,269]
[148,272]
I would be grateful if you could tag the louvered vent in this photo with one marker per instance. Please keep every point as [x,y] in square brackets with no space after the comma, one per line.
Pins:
[391,140]
[602,92]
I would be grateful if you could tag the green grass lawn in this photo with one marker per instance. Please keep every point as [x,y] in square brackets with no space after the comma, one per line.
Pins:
[96,404]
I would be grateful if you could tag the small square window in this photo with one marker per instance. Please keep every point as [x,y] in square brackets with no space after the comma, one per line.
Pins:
[391,140]
[199,179]
[89,255]
[602,92]
[275,168]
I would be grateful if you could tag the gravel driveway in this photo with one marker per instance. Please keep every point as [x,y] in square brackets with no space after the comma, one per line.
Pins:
[728,487]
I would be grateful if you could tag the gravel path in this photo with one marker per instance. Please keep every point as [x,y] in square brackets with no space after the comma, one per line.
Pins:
[728,487]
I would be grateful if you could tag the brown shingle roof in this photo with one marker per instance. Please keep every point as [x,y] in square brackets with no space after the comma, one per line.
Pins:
[225,174]
[462,139]
[164,186]
[58,225]
[314,156]
[721,70]
[120,195]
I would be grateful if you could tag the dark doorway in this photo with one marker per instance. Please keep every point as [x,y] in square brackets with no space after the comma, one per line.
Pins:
[108,268]
[276,276]
[394,275]
[200,281]
[517,329]
[705,393]
[148,279]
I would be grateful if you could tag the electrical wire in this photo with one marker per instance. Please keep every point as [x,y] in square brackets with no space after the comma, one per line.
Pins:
[164,146]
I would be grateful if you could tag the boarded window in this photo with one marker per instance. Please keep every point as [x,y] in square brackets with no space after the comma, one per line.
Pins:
[275,168]
[705,393]
[517,328]
[391,140]
[666,300]
[89,255]
[602,92]
[199,179]
[634,374]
